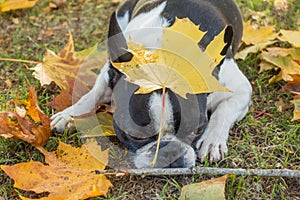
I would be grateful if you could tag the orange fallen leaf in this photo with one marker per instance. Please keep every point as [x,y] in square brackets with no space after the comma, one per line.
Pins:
[206,190]
[67,175]
[7,5]
[29,123]
[31,105]
[62,100]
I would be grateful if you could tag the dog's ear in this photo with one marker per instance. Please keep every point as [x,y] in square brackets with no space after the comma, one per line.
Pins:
[228,38]
[117,47]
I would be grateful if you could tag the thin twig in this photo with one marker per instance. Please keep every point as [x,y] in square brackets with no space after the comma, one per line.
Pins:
[213,171]
[19,60]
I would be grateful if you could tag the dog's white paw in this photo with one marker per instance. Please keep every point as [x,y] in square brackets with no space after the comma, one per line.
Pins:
[61,120]
[212,145]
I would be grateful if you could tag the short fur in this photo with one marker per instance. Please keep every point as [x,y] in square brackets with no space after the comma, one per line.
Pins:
[196,125]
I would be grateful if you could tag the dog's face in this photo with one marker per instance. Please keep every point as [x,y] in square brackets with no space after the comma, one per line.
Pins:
[138,117]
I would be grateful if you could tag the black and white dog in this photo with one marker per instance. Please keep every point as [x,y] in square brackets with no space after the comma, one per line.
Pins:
[196,126]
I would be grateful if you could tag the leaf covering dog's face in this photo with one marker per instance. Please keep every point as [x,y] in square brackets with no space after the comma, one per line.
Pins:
[158,84]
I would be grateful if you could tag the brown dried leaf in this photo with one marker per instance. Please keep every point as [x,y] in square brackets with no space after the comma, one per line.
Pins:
[32,127]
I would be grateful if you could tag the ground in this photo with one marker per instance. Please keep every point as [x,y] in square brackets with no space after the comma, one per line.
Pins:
[266,138]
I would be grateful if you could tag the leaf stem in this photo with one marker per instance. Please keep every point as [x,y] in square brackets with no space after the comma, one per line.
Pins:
[19,60]
[152,164]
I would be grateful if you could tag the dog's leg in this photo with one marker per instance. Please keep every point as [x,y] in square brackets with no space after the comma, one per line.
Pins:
[226,109]
[100,93]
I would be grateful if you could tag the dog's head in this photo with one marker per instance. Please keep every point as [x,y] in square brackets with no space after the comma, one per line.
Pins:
[138,117]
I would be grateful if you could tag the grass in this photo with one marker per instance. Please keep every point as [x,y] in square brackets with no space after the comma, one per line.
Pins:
[266,138]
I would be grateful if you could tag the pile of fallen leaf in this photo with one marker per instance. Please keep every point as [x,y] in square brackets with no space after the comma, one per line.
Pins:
[286,61]
[73,173]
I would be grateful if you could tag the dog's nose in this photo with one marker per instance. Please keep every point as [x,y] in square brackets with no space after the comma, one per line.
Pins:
[172,153]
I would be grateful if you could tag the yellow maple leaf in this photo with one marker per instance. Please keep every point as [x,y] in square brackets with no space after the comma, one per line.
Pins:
[258,36]
[64,65]
[66,176]
[292,37]
[187,28]
[252,49]
[6,5]
[210,189]
[179,64]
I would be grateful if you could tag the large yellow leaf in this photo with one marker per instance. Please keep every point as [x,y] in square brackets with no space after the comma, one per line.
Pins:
[206,190]
[6,5]
[179,64]
[73,72]
[68,175]
[187,28]
[258,36]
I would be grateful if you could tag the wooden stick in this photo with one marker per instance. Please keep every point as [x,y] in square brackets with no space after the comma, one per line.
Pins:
[210,171]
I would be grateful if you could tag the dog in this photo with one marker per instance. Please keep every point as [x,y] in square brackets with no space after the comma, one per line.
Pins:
[194,127]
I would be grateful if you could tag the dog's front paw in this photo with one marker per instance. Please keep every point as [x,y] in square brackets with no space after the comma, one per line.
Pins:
[61,120]
[212,145]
